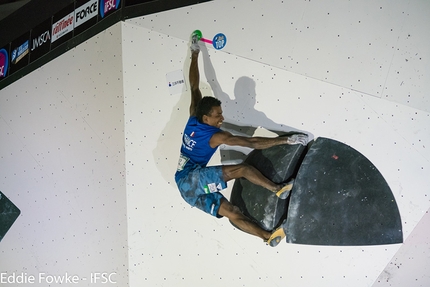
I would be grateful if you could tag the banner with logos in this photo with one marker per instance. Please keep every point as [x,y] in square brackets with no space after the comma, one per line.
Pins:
[107,7]
[20,51]
[74,19]
[62,26]
[40,40]
[86,15]
[4,61]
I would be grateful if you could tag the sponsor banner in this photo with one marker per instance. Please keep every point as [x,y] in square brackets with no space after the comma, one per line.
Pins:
[40,40]
[19,52]
[86,15]
[62,26]
[86,12]
[4,62]
[108,6]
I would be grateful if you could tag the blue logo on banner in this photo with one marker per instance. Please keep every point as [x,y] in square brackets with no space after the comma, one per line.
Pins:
[107,6]
[219,41]
[4,62]
[20,52]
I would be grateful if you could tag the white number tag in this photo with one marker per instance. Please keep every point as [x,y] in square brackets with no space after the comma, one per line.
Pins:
[182,162]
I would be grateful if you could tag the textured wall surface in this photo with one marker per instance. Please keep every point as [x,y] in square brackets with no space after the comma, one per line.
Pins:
[90,141]
[374,47]
[355,72]
[62,163]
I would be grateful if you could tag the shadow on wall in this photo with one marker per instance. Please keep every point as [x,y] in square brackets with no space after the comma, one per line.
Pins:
[166,153]
[241,118]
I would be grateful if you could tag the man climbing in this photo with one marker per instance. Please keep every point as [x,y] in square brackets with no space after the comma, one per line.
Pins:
[200,185]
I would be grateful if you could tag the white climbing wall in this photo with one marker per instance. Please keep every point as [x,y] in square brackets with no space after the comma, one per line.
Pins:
[89,142]
[354,71]
[62,163]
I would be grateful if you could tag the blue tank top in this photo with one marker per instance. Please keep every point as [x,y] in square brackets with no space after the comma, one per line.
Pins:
[195,147]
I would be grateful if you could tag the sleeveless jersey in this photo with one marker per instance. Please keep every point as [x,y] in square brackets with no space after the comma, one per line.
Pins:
[195,149]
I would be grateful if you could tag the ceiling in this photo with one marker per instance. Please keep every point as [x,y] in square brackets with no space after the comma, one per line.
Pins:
[7,7]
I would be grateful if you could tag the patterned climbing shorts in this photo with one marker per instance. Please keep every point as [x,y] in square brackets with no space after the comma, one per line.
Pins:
[201,188]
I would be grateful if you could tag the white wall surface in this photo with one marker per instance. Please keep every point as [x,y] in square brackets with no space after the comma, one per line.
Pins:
[374,47]
[331,69]
[405,267]
[62,163]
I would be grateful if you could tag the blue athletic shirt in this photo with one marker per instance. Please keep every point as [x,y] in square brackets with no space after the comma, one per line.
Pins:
[195,147]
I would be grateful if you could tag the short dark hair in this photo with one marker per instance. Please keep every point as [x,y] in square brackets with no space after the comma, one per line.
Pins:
[204,107]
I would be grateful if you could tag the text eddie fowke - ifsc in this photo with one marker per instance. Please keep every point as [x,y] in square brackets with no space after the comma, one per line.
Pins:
[66,278]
